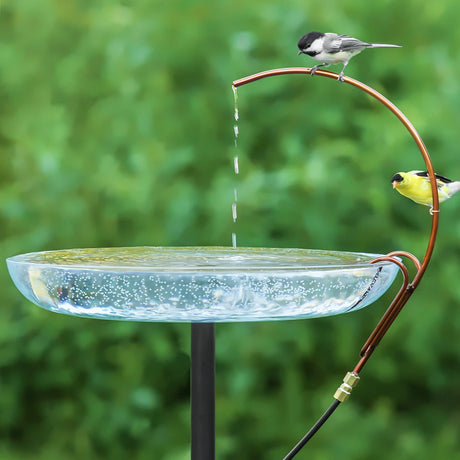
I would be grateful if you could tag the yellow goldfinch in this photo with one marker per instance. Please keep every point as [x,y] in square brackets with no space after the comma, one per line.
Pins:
[416,186]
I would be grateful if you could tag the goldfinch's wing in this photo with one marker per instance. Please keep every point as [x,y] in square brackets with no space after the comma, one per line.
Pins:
[440,180]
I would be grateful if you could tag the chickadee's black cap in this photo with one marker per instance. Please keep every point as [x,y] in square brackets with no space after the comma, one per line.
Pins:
[306,40]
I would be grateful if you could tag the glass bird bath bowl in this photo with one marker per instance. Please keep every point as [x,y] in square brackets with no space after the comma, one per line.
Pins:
[200,284]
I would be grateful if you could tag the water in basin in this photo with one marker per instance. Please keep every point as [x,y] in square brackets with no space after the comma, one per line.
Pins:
[200,284]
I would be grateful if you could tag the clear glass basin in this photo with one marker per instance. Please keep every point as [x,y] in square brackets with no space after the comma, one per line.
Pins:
[200,284]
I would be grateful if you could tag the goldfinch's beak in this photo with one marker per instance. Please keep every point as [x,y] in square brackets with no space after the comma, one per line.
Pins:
[395,183]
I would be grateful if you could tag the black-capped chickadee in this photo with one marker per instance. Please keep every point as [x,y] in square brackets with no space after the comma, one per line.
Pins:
[330,48]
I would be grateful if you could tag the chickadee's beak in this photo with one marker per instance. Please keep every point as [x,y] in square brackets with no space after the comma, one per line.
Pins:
[300,52]
[395,183]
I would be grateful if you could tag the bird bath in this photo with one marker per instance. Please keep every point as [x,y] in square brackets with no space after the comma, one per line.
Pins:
[201,285]
[205,285]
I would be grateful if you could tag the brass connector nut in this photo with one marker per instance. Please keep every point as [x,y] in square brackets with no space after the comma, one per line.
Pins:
[349,382]
[351,379]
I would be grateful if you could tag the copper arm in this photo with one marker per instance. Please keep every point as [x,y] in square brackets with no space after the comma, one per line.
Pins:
[407,287]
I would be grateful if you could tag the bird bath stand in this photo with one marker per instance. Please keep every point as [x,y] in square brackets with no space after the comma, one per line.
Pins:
[205,285]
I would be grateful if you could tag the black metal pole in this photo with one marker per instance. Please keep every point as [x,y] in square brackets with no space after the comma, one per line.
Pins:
[203,391]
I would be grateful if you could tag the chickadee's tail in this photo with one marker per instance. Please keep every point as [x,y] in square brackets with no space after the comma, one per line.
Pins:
[383,45]
[453,187]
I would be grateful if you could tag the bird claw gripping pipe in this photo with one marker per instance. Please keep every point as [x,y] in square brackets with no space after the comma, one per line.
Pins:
[352,378]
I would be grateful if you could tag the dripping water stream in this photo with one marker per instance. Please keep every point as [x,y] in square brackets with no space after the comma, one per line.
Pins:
[236,167]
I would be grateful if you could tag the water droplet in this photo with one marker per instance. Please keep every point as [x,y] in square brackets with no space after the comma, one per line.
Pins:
[236,166]
[235,97]
[234,212]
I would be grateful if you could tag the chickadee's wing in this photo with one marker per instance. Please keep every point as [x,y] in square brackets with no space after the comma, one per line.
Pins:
[338,43]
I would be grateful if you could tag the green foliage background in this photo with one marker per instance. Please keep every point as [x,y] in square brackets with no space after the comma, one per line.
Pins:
[116,129]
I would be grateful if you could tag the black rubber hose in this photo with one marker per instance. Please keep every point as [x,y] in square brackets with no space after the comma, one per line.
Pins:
[313,430]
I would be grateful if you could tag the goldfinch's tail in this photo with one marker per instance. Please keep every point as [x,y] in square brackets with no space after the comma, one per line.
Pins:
[453,187]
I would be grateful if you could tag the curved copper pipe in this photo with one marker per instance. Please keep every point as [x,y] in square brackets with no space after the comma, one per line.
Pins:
[406,289]
[408,255]
[404,120]
[389,316]
[392,259]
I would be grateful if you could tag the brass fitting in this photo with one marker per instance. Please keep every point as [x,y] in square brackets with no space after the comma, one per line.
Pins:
[350,380]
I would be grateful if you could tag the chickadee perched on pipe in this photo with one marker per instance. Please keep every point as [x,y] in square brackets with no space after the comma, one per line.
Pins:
[330,48]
